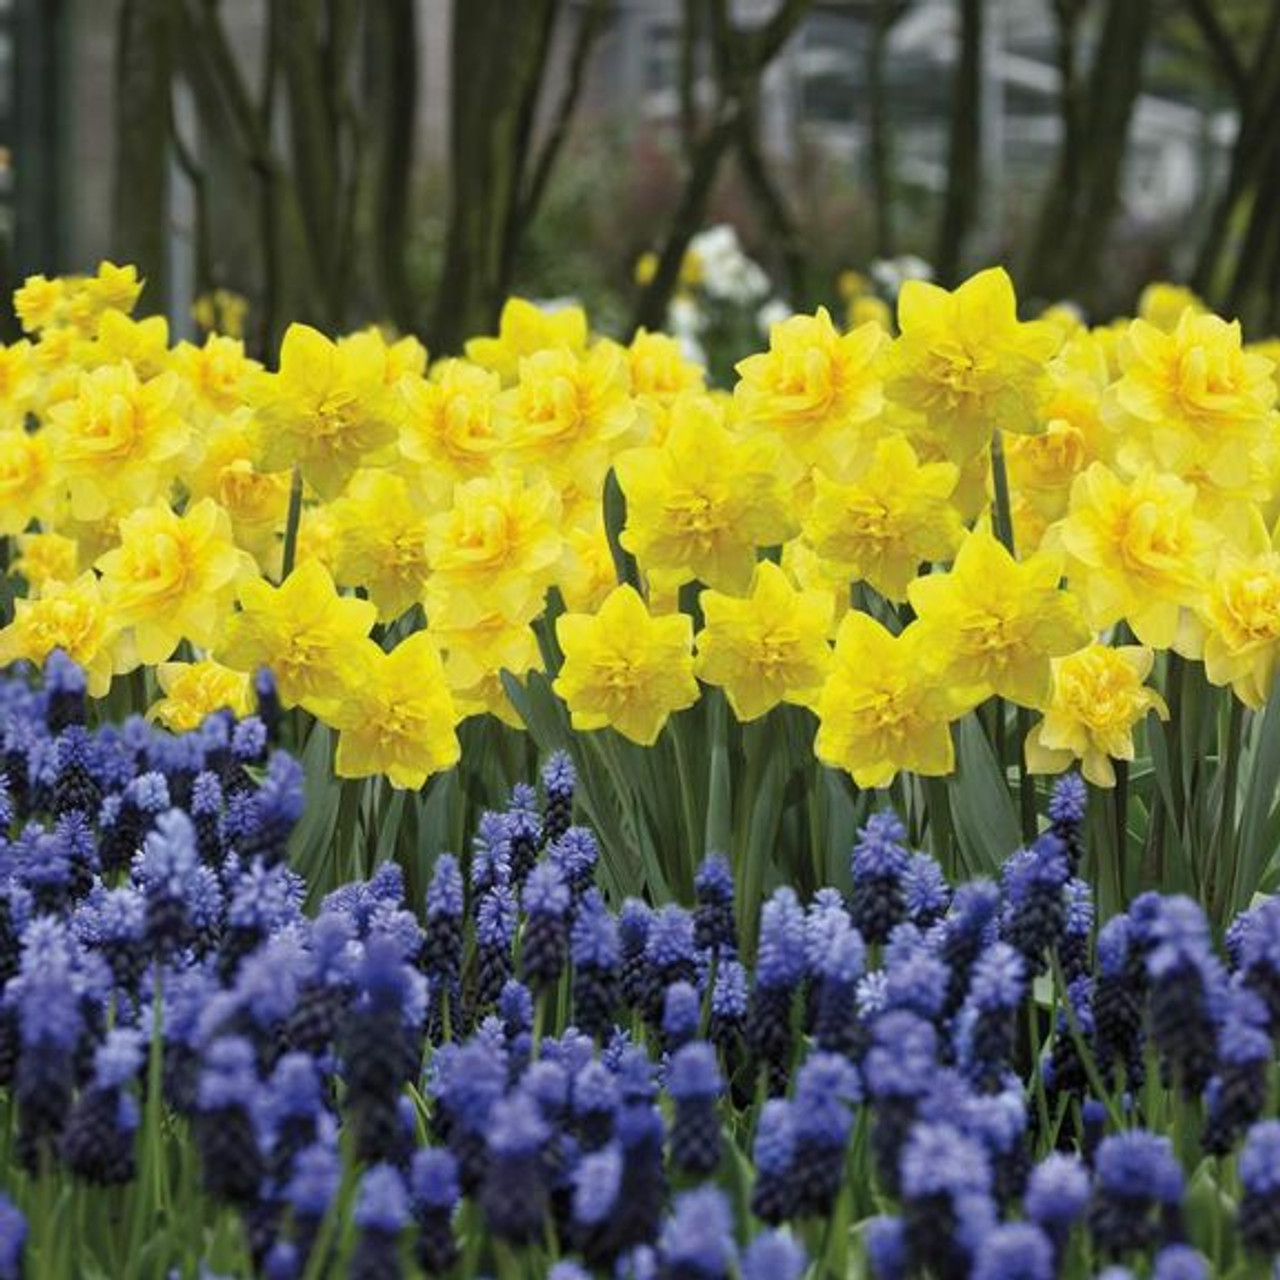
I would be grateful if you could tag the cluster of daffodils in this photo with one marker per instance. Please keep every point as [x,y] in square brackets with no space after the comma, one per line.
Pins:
[386,535]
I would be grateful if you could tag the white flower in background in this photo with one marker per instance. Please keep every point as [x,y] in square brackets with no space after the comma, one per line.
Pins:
[556,304]
[775,311]
[890,274]
[685,317]
[725,272]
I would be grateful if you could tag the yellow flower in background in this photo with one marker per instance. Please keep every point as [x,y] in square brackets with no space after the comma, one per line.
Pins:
[45,557]
[402,358]
[19,382]
[73,617]
[227,471]
[813,387]
[477,649]
[317,537]
[809,571]
[569,413]
[1204,401]
[525,328]
[143,343]
[381,542]
[869,309]
[1098,698]
[222,311]
[328,410]
[768,648]
[448,428]
[992,623]
[624,668]
[1066,317]
[118,442]
[965,362]
[215,371]
[881,711]
[398,719]
[499,546]
[1136,550]
[173,577]
[113,288]
[699,504]
[39,302]
[1042,468]
[588,572]
[27,491]
[660,374]
[314,640]
[1240,615]
[880,526]
[1163,304]
[194,690]
[1269,348]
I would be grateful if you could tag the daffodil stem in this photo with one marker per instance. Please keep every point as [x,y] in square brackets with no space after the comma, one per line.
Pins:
[291,524]
[1002,519]
[1228,849]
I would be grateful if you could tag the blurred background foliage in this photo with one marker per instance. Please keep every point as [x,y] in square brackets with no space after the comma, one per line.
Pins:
[411,162]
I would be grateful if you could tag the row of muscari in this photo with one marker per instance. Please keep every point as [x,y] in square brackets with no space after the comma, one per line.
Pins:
[143,867]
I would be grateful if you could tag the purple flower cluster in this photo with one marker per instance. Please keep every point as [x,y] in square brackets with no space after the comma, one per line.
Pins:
[590,1080]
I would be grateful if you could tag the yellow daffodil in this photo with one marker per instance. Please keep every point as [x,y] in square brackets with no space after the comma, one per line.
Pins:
[569,413]
[477,649]
[73,617]
[215,372]
[498,546]
[625,668]
[993,623]
[328,410]
[118,441]
[588,572]
[1204,402]
[1136,550]
[525,328]
[1098,698]
[227,471]
[398,720]
[19,382]
[45,557]
[27,490]
[1163,304]
[814,386]
[660,375]
[699,504]
[448,429]
[381,542]
[173,577]
[39,302]
[768,648]
[194,690]
[964,361]
[880,711]
[314,640]
[143,343]
[880,526]
[1238,633]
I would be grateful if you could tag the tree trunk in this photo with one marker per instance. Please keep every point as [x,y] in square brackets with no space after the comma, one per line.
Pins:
[144,75]
[1041,277]
[879,144]
[392,74]
[964,163]
[1113,94]
[499,58]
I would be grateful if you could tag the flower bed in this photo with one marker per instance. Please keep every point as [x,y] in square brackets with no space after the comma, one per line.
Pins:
[512,1077]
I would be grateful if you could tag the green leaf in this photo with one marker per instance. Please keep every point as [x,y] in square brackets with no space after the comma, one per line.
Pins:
[1259,800]
[986,822]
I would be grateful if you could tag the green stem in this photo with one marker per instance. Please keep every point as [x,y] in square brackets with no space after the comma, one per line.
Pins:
[688,804]
[1228,847]
[1121,800]
[292,522]
[1002,521]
